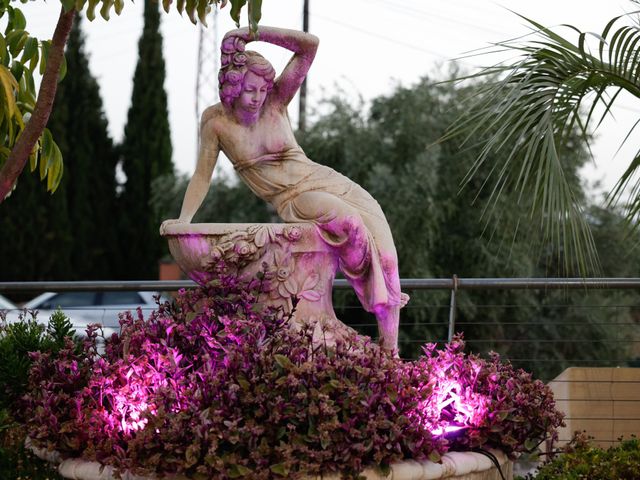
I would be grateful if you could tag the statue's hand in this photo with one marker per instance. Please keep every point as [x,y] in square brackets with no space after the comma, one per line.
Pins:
[242,33]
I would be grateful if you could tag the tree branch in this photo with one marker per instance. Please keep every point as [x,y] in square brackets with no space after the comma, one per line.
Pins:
[40,116]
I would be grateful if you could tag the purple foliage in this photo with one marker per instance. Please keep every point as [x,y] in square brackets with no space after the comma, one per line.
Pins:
[219,387]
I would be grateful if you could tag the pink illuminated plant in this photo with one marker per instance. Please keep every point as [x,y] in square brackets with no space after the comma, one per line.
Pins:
[220,387]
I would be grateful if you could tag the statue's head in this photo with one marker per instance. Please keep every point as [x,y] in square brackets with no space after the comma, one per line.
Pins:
[244,73]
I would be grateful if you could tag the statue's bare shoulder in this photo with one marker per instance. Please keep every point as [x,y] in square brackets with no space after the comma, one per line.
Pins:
[212,120]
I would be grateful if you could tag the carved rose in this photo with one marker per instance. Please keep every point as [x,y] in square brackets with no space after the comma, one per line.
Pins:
[221,77]
[216,253]
[212,262]
[231,90]
[283,273]
[239,59]
[293,234]
[243,248]
[239,44]
[228,45]
[225,59]
[234,77]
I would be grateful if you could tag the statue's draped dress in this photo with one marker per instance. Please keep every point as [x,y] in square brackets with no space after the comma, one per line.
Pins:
[348,218]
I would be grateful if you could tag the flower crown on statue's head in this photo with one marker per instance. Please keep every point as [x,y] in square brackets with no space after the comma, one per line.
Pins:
[236,62]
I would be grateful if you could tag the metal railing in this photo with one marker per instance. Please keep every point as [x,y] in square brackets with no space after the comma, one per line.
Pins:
[453,284]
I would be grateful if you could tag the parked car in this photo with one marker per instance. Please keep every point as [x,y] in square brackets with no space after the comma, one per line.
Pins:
[6,304]
[84,308]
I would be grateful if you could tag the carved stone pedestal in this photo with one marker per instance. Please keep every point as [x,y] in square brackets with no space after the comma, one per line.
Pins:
[295,260]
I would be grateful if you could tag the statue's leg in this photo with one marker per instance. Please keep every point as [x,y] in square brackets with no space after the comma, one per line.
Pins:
[363,242]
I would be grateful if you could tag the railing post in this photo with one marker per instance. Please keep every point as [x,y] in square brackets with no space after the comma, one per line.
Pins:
[452,309]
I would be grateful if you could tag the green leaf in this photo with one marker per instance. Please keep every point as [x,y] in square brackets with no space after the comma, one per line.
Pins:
[16,70]
[244,383]
[29,86]
[33,158]
[43,166]
[191,10]
[180,6]
[4,54]
[34,59]
[106,8]
[434,457]
[166,5]
[68,5]
[385,470]
[30,49]
[203,9]
[531,444]
[54,174]
[9,85]
[118,6]
[280,469]
[16,40]
[19,22]
[237,470]
[46,150]
[236,8]
[91,9]
[283,361]
[255,14]
[45,45]
[80,4]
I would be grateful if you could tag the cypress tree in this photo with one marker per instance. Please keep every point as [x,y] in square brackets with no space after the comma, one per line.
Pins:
[146,153]
[64,236]
[79,124]
[35,239]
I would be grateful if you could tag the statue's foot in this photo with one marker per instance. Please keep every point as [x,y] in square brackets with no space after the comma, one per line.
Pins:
[404,299]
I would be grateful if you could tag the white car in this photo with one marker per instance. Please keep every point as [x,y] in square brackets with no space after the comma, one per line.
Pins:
[84,308]
[6,305]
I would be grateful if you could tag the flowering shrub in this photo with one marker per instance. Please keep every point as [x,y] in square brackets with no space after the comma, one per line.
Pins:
[19,338]
[487,402]
[216,386]
[580,458]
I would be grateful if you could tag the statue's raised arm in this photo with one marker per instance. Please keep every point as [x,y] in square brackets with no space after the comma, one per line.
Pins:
[303,45]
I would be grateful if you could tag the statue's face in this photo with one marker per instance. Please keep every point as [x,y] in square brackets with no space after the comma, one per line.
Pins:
[254,93]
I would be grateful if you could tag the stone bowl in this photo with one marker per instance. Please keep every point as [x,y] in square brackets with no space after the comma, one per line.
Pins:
[297,265]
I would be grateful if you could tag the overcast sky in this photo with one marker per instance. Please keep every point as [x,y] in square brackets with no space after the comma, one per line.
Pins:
[367,47]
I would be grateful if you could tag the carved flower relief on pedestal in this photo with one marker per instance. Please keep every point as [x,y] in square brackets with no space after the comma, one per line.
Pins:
[283,284]
[239,249]
[268,246]
[292,233]
[262,234]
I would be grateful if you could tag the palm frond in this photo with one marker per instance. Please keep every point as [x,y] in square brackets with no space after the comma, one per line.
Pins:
[527,112]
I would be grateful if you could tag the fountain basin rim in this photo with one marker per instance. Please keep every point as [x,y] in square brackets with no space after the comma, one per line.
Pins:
[458,465]
[218,229]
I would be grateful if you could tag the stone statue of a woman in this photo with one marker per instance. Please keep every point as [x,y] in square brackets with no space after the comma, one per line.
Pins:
[251,126]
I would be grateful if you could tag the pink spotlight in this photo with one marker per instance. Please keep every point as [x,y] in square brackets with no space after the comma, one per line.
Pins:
[443,431]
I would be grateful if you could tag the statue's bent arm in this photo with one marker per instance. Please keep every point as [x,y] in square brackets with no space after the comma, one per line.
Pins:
[303,45]
[201,179]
